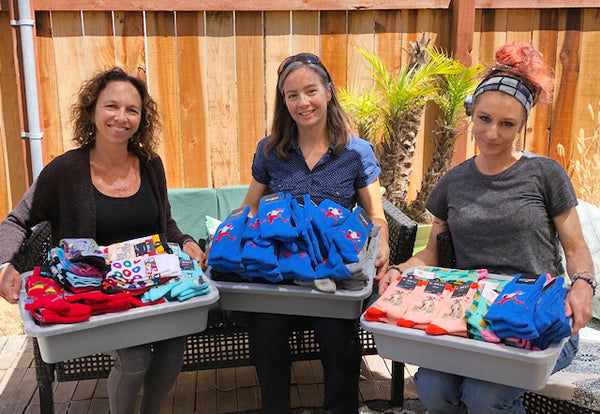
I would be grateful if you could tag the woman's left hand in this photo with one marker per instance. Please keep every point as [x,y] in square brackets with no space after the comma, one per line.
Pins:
[383,260]
[578,304]
[192,249]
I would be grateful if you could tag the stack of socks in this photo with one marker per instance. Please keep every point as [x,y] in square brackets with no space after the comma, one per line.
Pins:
[511,314]
[350,236]
[549,316]
[327,216]
[259,259]
[225,250]
[85,251]
[294,263]
[77,275]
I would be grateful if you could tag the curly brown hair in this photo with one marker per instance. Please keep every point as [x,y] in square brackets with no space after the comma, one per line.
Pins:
[144,141]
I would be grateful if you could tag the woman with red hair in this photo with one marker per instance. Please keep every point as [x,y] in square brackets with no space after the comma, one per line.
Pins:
[507,210]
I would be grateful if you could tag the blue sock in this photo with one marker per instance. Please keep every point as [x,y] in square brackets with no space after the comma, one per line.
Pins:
[325,217]
[309,211]
[333,266]
[275,213]
[259,252]
[516,303]
[295,265]
[351,235]
[550,307]
[225,249]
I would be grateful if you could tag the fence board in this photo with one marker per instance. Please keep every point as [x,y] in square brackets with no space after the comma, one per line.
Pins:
[193,101]
[545,40]
[48,94]
[562,126]
[98,41]
[388,38]
[12,174]
[277,48]
[163,84]
[305,32]
[222,99]
[130,49]
[251,87]
[334,45]
[70,66]
[361,26]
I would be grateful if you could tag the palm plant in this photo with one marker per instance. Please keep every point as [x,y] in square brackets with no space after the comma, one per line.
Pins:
[364,111]
[452,89]
[400,101]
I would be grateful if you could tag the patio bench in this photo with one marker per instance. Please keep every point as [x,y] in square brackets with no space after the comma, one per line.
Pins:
[223,343]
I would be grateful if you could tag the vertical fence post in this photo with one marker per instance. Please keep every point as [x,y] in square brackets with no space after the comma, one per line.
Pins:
[463,28]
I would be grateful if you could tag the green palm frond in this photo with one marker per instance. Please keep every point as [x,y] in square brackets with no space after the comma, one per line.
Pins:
[453,88]
[364,111]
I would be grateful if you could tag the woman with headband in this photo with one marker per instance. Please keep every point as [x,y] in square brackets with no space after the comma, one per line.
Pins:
[311,151]
[507,211]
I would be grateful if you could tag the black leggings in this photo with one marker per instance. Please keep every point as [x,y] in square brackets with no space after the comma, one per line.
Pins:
[155,369]
[340,356]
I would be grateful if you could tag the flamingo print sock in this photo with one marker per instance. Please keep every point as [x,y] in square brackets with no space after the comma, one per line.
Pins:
[451,317]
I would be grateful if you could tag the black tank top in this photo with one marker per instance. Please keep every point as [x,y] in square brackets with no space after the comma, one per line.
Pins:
[124,218]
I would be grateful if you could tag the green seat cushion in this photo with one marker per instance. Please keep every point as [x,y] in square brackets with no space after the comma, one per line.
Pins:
[189,206]
[229,198]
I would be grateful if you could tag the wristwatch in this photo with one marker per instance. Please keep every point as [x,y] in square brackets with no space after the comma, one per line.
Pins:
[588,277]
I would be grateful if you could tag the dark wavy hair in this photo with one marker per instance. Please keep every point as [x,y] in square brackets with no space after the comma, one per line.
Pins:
[284,127]
[144,141]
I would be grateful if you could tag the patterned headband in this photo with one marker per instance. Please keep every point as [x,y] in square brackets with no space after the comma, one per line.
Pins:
[507,84]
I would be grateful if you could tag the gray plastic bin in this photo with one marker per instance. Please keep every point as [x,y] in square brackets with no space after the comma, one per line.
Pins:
[103,333]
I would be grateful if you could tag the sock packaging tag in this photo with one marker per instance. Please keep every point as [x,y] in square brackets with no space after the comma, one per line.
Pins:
[364,218]
[186,264]
[408,283]
[271,198]
[436,287]
[461,290]
[236,213]
[525,279]
[424,274]
[143,248]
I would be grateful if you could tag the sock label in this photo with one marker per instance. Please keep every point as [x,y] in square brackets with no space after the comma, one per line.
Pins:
[236,213]
[271,198]
[186,264]
[364,218]
[434,286]
[549,285]
[461,290]
[525,279]
[408,282]
[143,248]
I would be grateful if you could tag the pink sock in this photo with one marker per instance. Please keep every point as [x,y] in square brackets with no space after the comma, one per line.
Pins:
[425,305]
[451,317]
[395,300]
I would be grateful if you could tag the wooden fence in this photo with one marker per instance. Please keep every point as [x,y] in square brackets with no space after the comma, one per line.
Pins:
[213,73]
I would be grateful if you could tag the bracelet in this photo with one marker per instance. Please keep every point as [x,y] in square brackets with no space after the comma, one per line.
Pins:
[590,280]
[4,265]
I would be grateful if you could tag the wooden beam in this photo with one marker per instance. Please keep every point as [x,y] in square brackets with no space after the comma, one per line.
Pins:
[3,5]
[463,27]
[236,5]
[536,4]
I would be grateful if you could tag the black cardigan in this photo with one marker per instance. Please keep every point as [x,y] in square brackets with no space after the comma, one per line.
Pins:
[63,194]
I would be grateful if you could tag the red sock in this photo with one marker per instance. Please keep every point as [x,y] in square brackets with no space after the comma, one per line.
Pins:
[451,317]
[57,318]
[44,292]
[76,309]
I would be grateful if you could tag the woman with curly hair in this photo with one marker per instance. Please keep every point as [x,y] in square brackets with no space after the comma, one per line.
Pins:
[111,188]
[507,211]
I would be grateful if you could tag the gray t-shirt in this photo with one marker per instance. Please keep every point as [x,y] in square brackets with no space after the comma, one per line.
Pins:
[503,222]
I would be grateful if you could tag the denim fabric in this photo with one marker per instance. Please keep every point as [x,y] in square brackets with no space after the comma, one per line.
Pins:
[446,393]
[336,176]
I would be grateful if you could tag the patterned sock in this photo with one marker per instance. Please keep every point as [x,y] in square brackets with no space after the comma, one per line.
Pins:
[426,305]
[275,213]
[451,317]
[351,235]
[392,305]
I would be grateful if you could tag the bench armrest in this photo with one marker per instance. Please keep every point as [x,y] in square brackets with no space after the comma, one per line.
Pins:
[402,230]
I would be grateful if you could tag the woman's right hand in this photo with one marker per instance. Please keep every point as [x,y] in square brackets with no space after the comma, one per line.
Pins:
[10,284]
[387,279]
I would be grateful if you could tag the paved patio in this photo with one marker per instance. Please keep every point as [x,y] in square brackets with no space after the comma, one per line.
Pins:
[228,390]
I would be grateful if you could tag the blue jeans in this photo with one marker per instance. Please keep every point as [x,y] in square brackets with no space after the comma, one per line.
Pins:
[441,392]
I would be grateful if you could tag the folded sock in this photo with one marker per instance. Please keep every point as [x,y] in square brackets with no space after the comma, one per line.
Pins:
[351,235]
[451,317]
[396,299]
[275,213]
[426,305]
